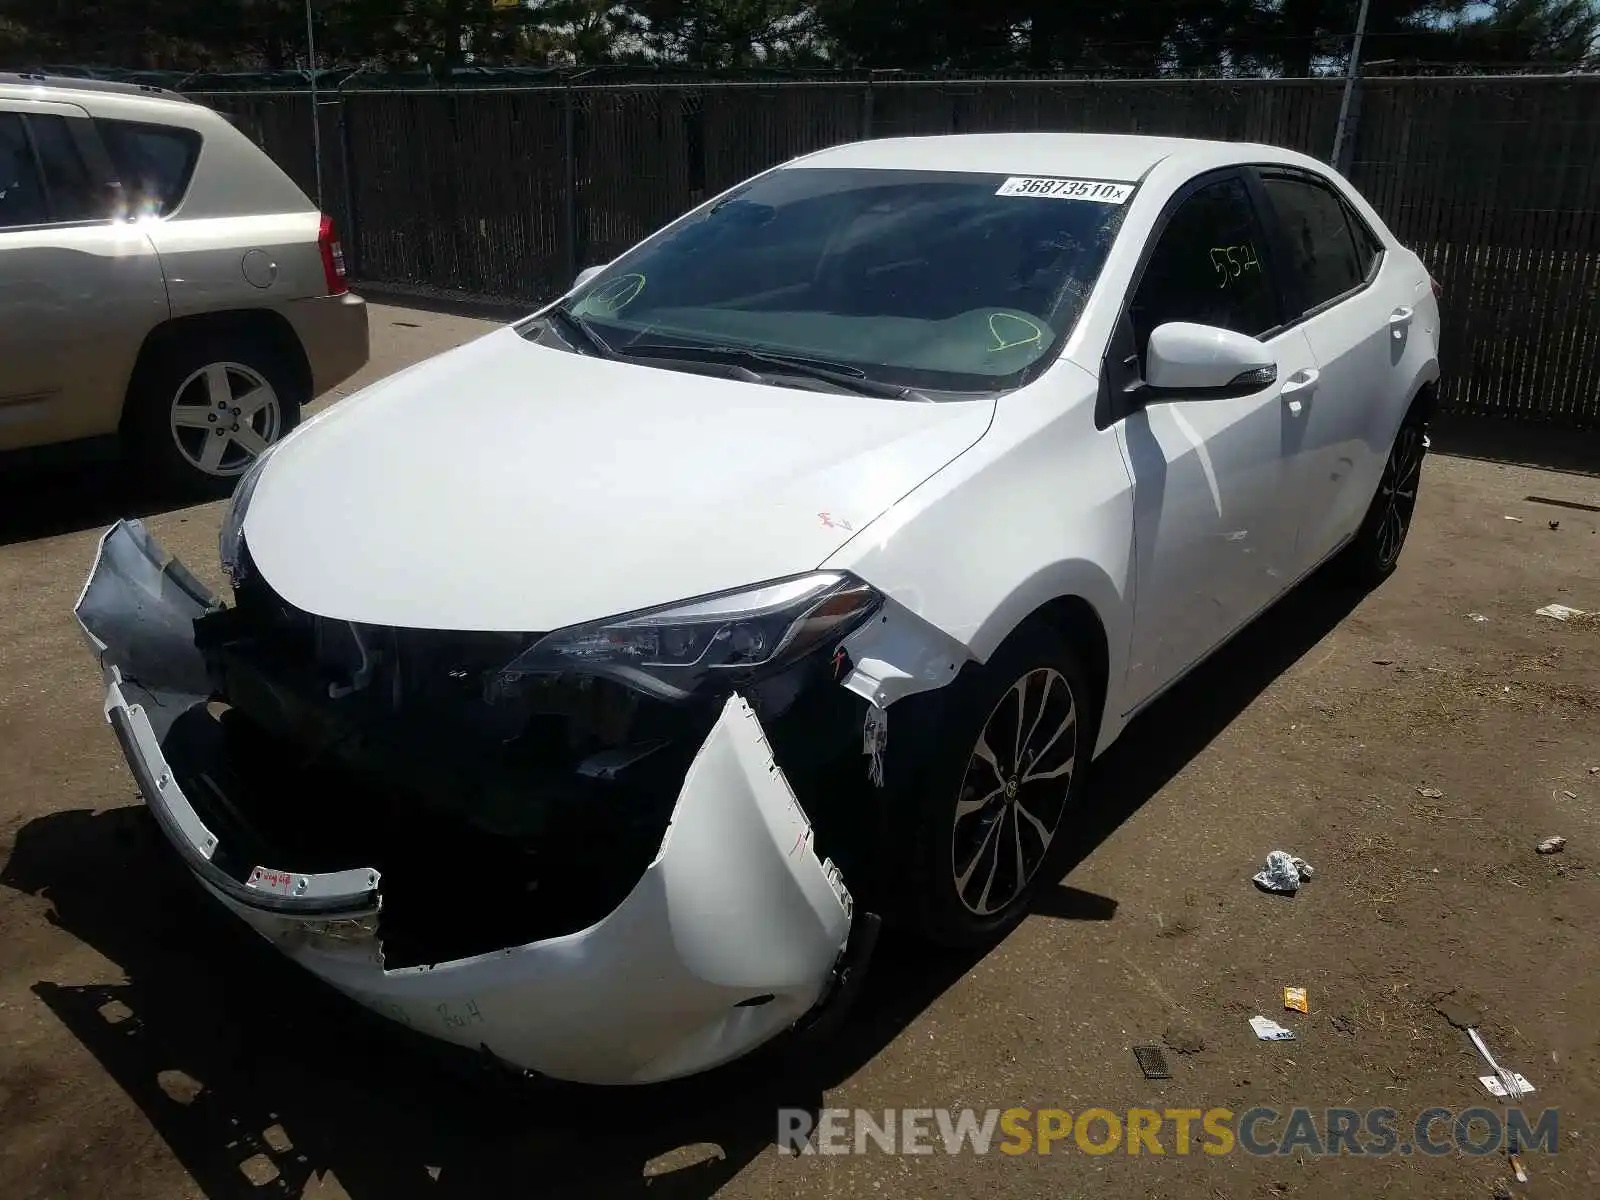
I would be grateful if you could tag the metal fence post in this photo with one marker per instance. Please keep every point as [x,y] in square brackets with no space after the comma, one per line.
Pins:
[1350,129]
[352,224]
[1341,133]
[316,114]
[570,209]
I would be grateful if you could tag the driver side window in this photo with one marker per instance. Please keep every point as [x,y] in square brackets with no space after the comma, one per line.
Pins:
[1207,268]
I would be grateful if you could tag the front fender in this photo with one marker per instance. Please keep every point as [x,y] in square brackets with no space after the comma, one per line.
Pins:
[1040,509]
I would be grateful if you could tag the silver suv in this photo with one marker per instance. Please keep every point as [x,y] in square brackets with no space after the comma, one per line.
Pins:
[161,281]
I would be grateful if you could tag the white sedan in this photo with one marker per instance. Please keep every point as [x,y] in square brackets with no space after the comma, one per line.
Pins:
[586,692]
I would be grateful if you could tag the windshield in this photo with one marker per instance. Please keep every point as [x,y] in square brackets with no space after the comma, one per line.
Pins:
[933,280]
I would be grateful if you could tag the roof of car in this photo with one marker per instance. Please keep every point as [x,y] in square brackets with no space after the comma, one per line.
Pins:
[1122,157]
[68,89]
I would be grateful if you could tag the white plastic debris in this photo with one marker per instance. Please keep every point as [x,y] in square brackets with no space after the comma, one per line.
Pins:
[1512,1085]
[875,741]
[1561,612]
[1551,845]
[1269,1030]
[1430,793]
[1282,872]
[1518,520]
[1476,617]
[1494,1087]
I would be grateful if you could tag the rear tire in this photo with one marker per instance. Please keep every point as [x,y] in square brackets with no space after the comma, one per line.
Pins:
[1372,554]
[202,409]
[981,791]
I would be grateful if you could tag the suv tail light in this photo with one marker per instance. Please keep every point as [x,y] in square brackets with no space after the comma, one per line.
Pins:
[332,258]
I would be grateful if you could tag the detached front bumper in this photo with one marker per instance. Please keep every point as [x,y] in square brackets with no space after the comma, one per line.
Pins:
[734,933]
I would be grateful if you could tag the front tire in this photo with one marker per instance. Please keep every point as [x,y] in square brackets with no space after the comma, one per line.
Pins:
[202,410]
[1001,768]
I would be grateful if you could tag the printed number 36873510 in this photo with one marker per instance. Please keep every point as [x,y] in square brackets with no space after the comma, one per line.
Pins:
[1230,262]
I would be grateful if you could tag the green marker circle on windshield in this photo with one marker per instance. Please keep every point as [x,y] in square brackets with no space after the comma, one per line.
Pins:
[1031,334]
[616,294]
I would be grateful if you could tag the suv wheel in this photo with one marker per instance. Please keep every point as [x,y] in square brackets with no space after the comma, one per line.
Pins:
[205,409]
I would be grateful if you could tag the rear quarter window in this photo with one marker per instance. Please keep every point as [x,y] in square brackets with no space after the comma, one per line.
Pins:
[154,163]
[1368,248]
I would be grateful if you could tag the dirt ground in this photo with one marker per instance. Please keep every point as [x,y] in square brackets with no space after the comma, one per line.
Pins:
[148,1048]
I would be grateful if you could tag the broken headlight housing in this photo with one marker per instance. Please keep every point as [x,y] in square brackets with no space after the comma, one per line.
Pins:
[707,644]
[230,538]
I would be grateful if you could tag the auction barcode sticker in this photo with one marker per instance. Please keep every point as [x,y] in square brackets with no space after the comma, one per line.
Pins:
[1066,189]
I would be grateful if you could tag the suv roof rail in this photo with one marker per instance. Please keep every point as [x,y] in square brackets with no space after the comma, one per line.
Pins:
[74,83]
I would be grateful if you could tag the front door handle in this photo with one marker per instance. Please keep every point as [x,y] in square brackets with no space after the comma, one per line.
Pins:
[1298,387]
[1400,319]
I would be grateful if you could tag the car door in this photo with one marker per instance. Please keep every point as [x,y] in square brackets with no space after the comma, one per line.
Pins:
[1357,323]
[79,289]
[1213,533]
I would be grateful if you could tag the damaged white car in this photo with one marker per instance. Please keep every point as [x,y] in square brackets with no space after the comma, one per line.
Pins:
[585,691]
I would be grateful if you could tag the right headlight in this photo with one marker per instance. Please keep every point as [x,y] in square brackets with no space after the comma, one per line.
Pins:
[230,538]
[704,644]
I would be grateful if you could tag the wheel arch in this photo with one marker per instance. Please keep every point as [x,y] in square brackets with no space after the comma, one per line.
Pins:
[1076,620]
[903,654]
[1079,602]
[270,327]
[1425,397]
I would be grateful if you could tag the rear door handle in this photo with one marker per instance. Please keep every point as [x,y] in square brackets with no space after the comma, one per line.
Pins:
[1298,387]
[1400,319]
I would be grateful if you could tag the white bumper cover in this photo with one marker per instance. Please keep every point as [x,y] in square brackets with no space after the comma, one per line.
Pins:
[733,933]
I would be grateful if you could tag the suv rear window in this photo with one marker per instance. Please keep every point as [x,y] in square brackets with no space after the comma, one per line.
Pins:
[153,162]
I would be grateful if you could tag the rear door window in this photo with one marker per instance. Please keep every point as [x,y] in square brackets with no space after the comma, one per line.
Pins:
[22,198]
[1323,261]
[153,162]
[71,192]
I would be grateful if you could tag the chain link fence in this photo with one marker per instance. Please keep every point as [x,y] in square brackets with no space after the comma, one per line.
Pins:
[506,192]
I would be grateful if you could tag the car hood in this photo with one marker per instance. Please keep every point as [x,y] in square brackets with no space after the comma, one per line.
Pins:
[508,486]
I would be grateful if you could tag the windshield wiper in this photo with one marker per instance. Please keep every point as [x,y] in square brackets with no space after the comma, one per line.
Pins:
[841,375]
[572,324]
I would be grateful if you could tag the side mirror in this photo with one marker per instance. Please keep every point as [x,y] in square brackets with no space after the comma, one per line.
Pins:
[1203,362]
[585,275]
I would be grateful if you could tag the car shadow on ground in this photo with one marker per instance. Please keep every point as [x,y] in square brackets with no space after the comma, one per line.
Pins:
[1548,446]
[46,498]
[450,304]
[263,1082]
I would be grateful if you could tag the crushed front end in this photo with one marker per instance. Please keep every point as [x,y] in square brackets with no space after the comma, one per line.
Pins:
[576,874]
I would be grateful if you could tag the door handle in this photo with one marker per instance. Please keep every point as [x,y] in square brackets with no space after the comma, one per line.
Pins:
[1400,319]
[1298,387]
